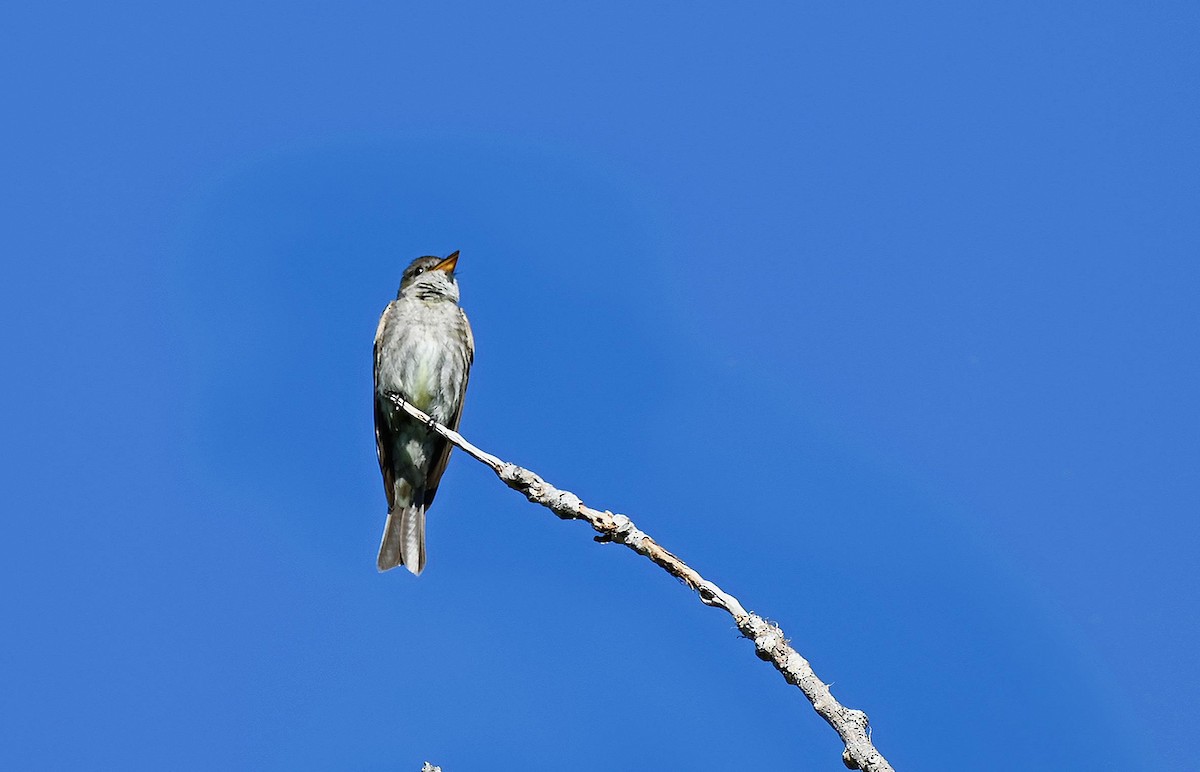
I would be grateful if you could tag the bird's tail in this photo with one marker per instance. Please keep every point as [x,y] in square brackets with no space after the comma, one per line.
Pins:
[404,535]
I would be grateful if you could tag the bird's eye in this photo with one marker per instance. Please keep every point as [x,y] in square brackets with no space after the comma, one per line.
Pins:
[419,271]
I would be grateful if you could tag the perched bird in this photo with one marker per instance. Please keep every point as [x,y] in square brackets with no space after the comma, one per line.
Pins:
[423,351]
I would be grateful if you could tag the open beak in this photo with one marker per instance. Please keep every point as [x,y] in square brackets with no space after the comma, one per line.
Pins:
[447,263]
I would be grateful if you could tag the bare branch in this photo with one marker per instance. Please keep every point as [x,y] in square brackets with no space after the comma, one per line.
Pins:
[769,641]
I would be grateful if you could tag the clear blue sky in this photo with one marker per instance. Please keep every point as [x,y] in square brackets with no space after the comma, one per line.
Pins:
[882,316]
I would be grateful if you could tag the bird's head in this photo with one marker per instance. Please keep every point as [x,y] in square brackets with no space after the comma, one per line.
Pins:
[430,278]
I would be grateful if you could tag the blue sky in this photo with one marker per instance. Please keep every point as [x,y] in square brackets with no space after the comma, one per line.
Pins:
[883,317]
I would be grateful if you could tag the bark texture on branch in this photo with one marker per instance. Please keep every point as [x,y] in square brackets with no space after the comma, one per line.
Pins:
[769,641]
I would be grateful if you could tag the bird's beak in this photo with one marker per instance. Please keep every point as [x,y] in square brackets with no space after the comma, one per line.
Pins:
[447,263]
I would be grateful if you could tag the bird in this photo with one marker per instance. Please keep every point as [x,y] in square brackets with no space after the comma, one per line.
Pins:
[424,349]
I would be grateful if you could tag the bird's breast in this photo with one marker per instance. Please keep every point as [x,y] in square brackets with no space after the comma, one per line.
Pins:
[424,357]
[422,376]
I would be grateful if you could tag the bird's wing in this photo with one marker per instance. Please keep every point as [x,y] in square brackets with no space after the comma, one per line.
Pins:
[383,435]
[441,451]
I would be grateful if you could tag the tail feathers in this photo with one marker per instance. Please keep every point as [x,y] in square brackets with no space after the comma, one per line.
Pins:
[404,539]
